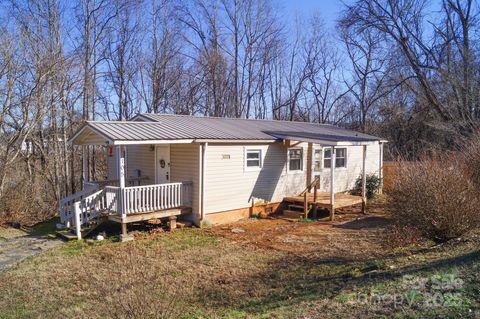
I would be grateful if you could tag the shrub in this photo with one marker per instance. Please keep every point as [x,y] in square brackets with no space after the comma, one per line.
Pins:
[23,203]
[373,184]
[436,197]
[470,151]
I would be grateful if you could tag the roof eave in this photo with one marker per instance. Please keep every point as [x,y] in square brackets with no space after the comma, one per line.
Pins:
[85,126]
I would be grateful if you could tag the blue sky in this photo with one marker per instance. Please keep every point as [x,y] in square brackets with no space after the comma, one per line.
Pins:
[329,9]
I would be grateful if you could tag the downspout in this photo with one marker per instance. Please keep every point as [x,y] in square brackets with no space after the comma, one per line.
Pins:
[204,147]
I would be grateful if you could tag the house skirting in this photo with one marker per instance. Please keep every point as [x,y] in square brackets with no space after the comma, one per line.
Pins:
[229,216]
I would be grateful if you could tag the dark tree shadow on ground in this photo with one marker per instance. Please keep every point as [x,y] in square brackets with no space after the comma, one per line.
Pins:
[291,280]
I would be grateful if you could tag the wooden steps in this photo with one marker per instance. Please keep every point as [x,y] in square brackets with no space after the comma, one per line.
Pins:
[69,234]
[295,207]
[295,210]
[292,214]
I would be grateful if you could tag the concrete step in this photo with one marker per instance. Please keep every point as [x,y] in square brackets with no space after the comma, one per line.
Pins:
[292,214]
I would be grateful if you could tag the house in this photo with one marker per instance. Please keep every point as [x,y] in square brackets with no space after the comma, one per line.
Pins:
[217,170]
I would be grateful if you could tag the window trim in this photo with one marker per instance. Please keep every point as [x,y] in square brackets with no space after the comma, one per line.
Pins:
[330,158]
[253,168]
[302,166]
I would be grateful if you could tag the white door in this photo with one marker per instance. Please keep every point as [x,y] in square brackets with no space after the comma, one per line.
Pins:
[317,164]
[162,165]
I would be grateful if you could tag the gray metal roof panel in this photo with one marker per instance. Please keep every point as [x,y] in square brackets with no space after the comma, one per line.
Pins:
[173,127]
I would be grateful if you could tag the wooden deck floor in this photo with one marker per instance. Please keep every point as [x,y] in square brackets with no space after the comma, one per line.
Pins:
[323,199]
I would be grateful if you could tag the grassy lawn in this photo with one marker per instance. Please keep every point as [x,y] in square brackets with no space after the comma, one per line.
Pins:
[194,273]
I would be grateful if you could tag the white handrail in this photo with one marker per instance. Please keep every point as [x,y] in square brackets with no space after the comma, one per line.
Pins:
[140,199]
[80,208]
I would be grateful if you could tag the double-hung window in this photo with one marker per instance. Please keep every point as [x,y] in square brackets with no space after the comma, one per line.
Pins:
[295,159]
[340,157]
[253,159]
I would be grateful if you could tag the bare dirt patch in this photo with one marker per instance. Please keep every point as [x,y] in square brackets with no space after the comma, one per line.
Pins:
[352,236]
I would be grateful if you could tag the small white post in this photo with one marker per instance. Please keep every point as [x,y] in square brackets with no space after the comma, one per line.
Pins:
[380,168]
[78,225]
[364,180]
[332,183]
[84,166]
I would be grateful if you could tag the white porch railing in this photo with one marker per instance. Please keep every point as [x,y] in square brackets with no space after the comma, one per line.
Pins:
[66,205]
[140,199]
[83,210]
[82,207]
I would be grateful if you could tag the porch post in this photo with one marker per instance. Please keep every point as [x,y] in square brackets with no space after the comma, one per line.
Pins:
[364,180]
[84,166]
[78,226]
[309,164]
[332,183]
[121,179]
[203,166]
[380,168]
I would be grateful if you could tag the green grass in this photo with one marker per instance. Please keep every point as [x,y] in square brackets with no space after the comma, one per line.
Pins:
[47,228]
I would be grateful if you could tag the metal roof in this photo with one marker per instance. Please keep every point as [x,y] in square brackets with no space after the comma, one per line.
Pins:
[166,127]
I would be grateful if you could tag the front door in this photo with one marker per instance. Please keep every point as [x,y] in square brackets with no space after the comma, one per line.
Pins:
[162,159]
[317,164]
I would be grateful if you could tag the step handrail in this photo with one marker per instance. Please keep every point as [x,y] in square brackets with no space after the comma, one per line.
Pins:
[315,182]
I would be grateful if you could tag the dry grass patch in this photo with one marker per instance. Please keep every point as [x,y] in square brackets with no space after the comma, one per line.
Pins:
[193,273]
[171,276]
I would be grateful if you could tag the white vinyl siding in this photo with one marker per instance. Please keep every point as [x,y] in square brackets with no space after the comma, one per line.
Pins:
[228,186]
[184,166]
[141,158]
[345,178]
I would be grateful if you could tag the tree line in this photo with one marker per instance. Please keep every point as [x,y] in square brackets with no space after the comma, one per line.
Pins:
[406,70]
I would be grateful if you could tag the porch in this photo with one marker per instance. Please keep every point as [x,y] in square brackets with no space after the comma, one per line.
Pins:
[83,211]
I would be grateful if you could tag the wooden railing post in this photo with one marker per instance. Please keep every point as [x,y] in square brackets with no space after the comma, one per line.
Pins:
[315,189]
[78,226]
[305,204]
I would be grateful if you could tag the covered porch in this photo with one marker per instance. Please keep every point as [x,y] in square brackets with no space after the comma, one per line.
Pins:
[123,198]
[312,198]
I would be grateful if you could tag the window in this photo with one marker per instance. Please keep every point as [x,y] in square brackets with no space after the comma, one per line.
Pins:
[317,160]
[340,158]
[253,159]
[295,159]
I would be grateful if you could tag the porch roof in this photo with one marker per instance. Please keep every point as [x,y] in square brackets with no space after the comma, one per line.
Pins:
[163,128]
